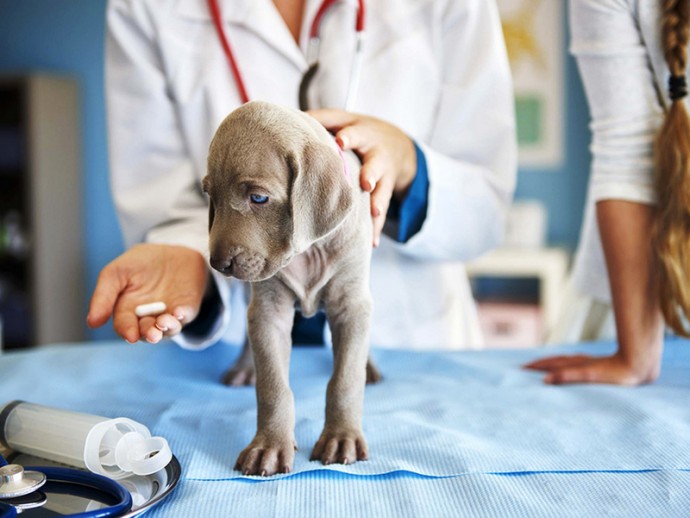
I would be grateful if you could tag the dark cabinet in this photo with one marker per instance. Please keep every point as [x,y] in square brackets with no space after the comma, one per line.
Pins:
[41,257]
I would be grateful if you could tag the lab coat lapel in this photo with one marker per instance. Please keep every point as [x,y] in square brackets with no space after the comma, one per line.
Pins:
[258,16]
[264,19]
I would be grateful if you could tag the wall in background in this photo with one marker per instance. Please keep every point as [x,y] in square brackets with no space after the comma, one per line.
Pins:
[563,189]
[67,36]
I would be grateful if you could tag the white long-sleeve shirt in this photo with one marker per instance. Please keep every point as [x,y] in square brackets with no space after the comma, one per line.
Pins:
[436,69]
[617,44]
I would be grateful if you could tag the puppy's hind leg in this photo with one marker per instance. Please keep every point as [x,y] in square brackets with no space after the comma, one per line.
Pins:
[373,373]
[242,373]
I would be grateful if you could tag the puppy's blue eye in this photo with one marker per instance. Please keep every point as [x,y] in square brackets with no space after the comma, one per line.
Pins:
[258,198]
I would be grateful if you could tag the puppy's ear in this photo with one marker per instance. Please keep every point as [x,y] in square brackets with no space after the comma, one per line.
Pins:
[320,195]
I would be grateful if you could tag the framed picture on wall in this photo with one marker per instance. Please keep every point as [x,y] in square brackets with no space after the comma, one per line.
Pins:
[534,34]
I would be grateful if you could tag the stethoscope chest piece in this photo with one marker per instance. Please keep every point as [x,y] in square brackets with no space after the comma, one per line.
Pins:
[15,482]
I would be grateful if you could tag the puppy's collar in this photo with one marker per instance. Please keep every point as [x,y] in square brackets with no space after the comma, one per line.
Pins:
[342,156]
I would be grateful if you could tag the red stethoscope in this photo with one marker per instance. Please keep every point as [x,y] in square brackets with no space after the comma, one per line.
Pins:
[312,53]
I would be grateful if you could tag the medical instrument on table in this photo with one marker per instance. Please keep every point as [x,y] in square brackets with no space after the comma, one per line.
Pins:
[115,448]
[16,483]
[152,308]
[312,53]
[70,499]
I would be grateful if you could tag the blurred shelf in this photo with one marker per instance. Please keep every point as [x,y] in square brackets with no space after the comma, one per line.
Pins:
[41,272]
[509,315]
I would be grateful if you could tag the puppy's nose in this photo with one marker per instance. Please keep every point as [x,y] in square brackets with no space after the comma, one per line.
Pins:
[223,265]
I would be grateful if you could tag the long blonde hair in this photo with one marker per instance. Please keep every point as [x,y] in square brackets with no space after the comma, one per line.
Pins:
[671,236]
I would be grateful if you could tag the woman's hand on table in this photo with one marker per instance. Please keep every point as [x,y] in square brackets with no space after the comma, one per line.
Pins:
[615,369]
[146,273]
[389,161]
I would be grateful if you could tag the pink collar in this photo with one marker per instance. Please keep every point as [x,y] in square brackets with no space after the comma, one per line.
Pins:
[345,168]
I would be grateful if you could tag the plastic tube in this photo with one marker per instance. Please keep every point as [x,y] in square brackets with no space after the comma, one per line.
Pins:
[115,448]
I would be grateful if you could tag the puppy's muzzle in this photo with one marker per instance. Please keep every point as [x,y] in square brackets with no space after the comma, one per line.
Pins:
[222,264]
[240,263]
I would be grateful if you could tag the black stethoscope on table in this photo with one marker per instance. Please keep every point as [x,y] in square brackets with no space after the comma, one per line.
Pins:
[312,53]
[20,489]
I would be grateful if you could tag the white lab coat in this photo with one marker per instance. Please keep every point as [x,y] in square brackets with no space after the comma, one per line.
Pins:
[436,69]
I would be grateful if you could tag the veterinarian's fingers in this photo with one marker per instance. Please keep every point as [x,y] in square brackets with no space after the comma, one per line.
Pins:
[148,330]
[374,167]
[357,136]
[108,288]
[366,182]
[379,169]
[380,201]
[333,119]
[381,197]
[126,325]
[184,313]
[379,221]
[377,160]
[168,324]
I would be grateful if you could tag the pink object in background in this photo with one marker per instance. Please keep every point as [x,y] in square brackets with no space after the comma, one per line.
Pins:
[508,325]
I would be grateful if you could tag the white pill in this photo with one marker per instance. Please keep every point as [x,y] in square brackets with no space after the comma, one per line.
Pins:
[152,308]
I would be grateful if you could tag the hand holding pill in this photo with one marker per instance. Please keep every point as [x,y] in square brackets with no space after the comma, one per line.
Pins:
[151,291]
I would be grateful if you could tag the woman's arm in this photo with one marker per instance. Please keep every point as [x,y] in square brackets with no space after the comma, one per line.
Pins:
[619,82]
[625,229]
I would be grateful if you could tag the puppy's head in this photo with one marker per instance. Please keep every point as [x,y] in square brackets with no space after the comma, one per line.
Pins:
[276,185]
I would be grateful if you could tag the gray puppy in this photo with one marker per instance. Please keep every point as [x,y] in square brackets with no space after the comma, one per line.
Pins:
[288,216]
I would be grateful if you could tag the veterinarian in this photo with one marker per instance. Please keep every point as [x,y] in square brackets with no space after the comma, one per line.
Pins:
[431,117]
[632,57]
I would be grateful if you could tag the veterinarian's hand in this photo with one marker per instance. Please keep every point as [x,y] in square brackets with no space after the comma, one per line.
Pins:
[145,273]
[389,161]
[583,368]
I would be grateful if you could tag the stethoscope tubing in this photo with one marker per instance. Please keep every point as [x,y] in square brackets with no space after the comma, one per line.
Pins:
[227,49]
[91,480]
[325,6]
[83,478]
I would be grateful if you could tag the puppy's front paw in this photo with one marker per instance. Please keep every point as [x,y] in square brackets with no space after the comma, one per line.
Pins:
[340,446]
[266,457]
